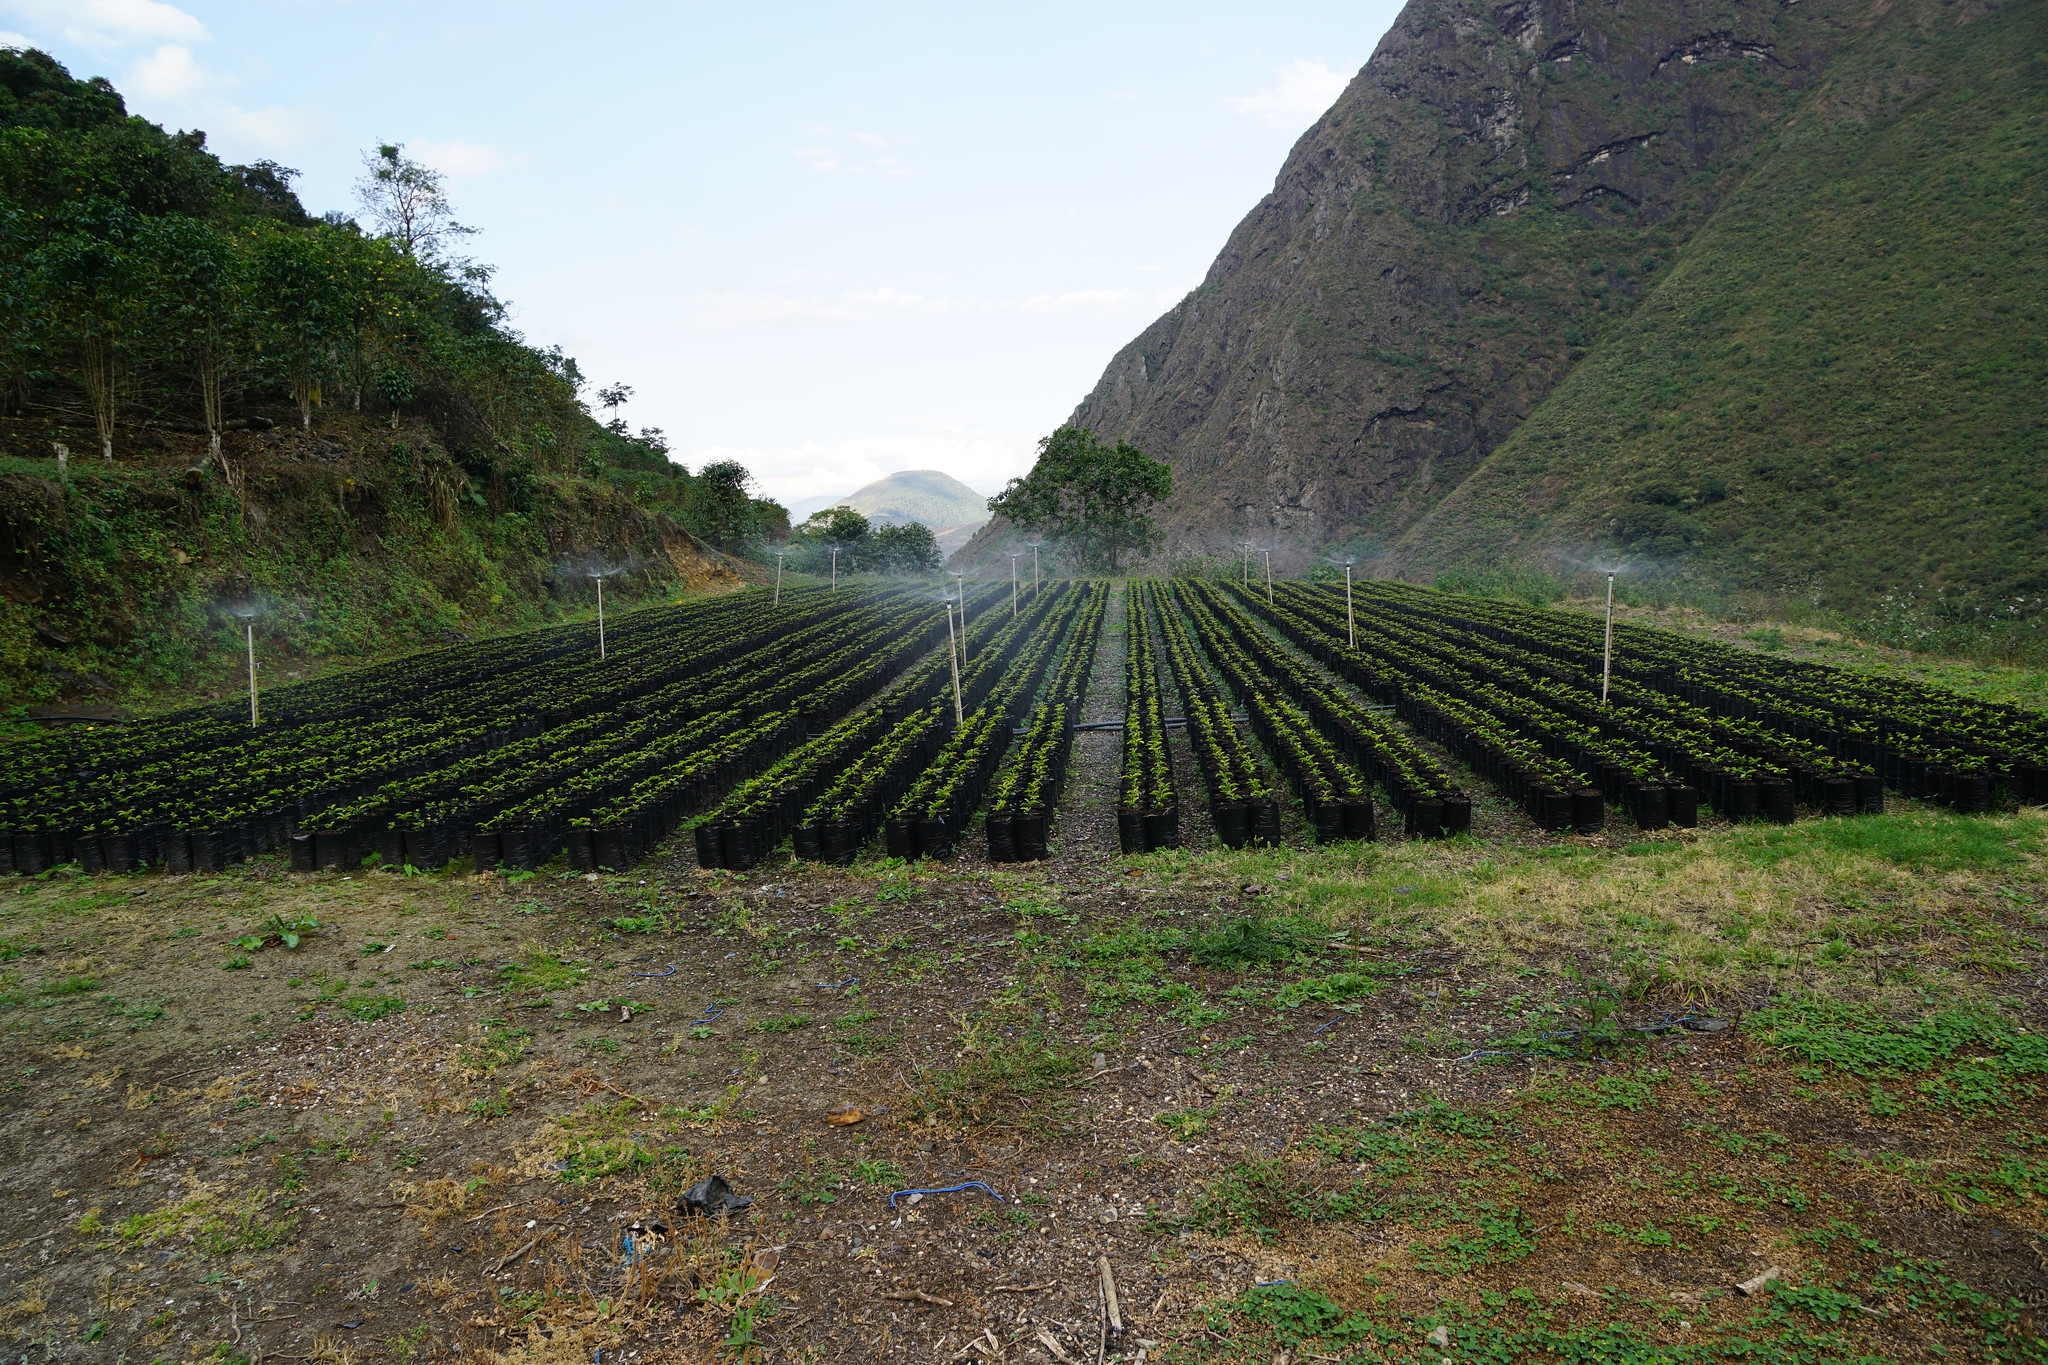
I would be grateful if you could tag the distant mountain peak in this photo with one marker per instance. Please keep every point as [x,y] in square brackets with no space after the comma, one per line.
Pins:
[936,499]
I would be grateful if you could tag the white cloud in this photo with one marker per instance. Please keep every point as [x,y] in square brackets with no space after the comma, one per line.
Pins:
[850,152]
[8,39]
[274,130]
[983,461]
[169,73]
[458,159]
[109,23]
[1304,89]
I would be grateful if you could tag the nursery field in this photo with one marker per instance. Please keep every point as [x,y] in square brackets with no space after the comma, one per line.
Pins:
[834,724]
[1144,972]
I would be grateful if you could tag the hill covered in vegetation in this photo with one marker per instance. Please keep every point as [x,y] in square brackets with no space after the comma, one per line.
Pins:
[1743,296]
[210,395]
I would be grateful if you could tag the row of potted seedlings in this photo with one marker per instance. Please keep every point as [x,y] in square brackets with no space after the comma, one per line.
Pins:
[1027,789]
[1919,740]
[1655,753]
[1148,801]
[192,794]
[1432,805]
[758,815]
[1242,806]
[927,819]
[532,790]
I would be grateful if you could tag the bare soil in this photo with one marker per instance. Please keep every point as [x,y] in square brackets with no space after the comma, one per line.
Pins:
[429,1131]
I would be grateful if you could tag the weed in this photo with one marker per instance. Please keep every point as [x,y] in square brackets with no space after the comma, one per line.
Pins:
[1185,1123]
[215,1224]
[1328,990]
[1499,1235]
[497,1047]
[1253,941]
[370,1008]
[538,973]
[781,1023]
[494,1106]
[1992,1076]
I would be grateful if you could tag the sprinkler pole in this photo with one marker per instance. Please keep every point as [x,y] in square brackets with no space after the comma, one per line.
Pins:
[251,628]
[1034,568]
[1013,587]
[778,578]
[953,658]
[1268,555]
[600,616]
[961,581]
[835,568]
[1350,622]
[1607,644]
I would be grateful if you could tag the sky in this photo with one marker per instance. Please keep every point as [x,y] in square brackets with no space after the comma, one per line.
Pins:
[831,241]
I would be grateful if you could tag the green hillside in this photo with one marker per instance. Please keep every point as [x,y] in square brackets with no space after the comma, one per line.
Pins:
[208,394]
[1835,392]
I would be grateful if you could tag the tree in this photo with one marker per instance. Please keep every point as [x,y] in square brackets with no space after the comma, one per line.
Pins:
[299,283]
[195,299]
[841,526]
[406,201]
[90,277]
[1094,499]
[907,549]
[613,399]
[721,510]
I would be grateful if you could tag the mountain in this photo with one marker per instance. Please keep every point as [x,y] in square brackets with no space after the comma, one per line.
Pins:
[1667,278]
[952,509]
[1839,385]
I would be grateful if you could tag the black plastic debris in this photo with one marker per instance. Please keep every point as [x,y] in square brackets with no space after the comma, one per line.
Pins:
[1704,1025]
[711,1197]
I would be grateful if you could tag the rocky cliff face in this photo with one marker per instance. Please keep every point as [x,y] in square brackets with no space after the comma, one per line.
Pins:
[1496,188]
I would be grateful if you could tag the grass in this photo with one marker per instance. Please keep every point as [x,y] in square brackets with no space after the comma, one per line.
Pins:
[1897,900]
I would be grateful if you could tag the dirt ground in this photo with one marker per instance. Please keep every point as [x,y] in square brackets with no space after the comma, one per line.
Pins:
[455,1121]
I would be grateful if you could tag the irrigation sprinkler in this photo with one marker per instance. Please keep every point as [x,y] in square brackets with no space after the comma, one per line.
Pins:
[1013,586]
[247,611]
[1268,556]
[960,583]
[835,568]
[1246,546]
[1350,621]
[778,576]
[1034,566]
[953,657]
[600,574]
[1607,643]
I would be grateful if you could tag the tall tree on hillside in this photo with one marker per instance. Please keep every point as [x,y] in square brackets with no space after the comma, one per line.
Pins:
[89,275]
[406,202]
[1094,499]
[300,285]
[196,297]
[721,509]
